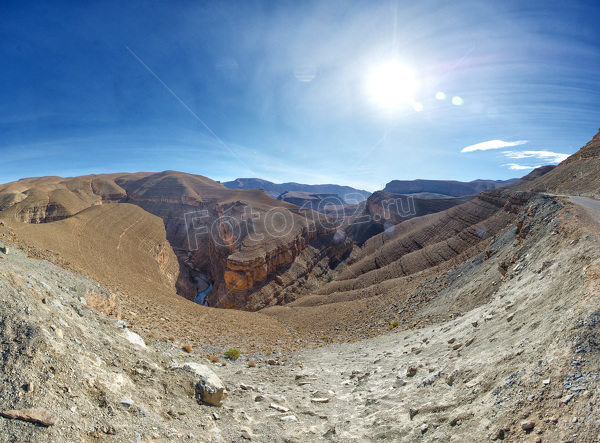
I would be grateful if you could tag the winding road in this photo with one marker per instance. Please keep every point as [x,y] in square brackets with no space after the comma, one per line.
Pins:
[587,202]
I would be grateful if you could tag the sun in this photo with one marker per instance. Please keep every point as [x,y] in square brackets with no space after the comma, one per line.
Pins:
[392,85]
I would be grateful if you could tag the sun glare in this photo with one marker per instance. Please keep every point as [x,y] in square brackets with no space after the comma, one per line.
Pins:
[393,84]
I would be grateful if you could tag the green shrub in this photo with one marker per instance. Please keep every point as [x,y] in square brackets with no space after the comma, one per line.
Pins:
[232,353]
[393,325]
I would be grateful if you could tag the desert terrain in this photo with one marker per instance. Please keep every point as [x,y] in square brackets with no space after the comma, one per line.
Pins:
[477,321]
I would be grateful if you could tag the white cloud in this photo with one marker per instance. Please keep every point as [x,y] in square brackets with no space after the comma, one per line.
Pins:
[551,157]
[492,144]
[517,167]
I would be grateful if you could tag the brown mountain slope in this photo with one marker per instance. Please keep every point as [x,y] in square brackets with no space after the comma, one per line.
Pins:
[125,249]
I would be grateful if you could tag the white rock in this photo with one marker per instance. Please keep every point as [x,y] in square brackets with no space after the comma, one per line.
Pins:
[134,338]
[289,418]
[46,286]
[278,407]
[431,377]
[209,388]
[568,398]
[127,402]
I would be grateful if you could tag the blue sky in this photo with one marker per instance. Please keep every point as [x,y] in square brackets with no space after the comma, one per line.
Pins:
[284,90]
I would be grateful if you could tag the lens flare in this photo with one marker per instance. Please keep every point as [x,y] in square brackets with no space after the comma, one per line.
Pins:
[458,101]
[440,95]
[305,72]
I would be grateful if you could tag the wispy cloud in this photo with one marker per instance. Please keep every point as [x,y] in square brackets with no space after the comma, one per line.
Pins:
[517,167]
[492,144]
[551,157]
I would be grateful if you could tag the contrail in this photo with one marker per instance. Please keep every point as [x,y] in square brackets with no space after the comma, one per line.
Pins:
[189,110]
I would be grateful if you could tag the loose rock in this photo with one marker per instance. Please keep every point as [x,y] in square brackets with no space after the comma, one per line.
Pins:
[527,425]
[209,388]
[289,418]
[279,407]
[35,415]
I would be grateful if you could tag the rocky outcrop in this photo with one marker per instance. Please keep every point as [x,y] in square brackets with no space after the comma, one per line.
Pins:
[209,387]
[425,242]
[591,150]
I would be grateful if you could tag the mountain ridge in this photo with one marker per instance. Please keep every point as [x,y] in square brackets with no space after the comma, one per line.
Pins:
[276,189]
[449,188]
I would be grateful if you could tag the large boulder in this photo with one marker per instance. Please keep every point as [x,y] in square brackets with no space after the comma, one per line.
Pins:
[209,387]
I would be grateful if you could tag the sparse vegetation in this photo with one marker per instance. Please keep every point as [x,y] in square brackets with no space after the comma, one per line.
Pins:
[393,324]
[232,353]
[187,348]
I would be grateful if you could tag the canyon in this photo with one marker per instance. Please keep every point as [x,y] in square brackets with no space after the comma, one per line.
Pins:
[242,239]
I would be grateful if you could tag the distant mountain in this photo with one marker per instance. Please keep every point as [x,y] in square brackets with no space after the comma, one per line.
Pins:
[443,188]
[346,193]
[317,202]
